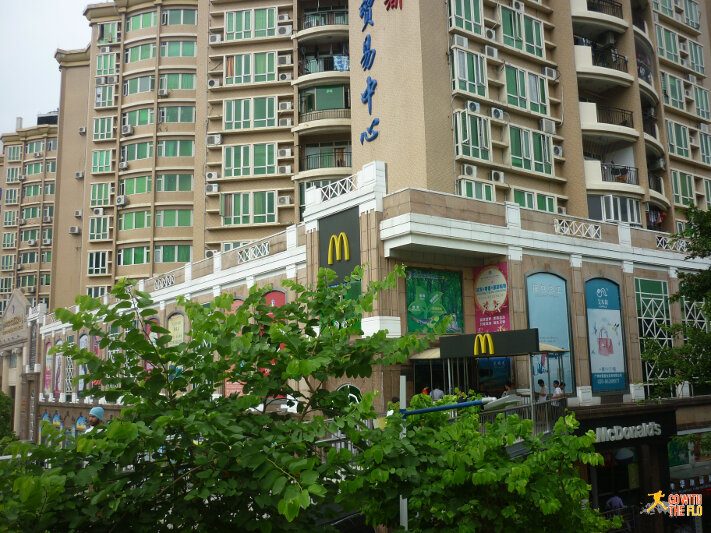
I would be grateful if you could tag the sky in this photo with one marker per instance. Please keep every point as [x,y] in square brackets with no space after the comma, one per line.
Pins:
[30,33]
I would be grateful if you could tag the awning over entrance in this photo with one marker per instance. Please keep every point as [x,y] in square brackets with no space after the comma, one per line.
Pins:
[497,344]
[435,353]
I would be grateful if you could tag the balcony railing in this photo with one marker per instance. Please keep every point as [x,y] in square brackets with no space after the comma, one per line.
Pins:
[655,184]
[638,21]
[614,115]
[324,114]
[335,159]
[619,174]
[608,7]
[609,59]
[340,63]
[649,125]
[328,18]
[645,72]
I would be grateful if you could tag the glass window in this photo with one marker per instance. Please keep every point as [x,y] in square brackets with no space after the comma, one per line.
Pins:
[177,114]
[238,68]
[701,98]
[31,212]
[140,52]
[8,240]
[177,81]
[137,185]
[141,84]
[134,220]
[469,72]
[34,146]
[618,209]
[14,153]
[678,136]
[176,148]
[5,285]
[12,175]
[520,29]
[138,117]
[667,43]
[248,207]
[705,141]
[472,135]
[691,12]
[103,128]
[105,64]
[11,196]
[180,16]
[100,194]
[108,33]
[683,187]
[174,182]
[51,166]
[96,291]
[476,190]
[29,235]
[49,188]
[51,145]
[7,262]
[132,152]
[178,49]
[144,20]
[9,217]
[530,150]
[98,263]
[466,14]
[104,96]
[673,90]
[238,25]
[707,193]
[265,22]
[138,255]
[248,160]
[696,53]
[171,218]
[33,168]
[172,254]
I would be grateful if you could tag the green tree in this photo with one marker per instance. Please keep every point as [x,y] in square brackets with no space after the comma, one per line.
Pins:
[690,362]
[5,416]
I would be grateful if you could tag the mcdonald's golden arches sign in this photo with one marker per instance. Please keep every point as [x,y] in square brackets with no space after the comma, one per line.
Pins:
[339,242]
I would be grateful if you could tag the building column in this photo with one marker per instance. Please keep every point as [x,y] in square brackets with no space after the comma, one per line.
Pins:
[635,372]
[19,393]
[578,321]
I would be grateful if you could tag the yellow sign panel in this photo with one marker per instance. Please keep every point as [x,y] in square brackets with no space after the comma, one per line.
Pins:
[482,342]
[336,242]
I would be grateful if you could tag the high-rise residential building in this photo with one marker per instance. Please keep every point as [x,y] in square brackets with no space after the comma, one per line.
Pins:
[28,180]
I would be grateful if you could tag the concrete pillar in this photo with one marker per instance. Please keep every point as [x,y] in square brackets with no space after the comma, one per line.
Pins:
[5,372]
[19,393]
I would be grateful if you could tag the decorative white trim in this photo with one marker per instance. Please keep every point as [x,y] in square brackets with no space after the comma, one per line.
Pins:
[513,215]
[291,271]
[311,225]
[372,324]
[249,280]
[515,253]
[292,237]
[576,261]
[188,272]
[216,291]
[627,267]
[217,262]
[624,235]
[161,305]
[673,273]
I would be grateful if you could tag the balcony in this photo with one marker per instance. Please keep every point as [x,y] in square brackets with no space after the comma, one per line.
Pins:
[324,121]
[600,69]
[322,26]
[592,17]
[653,145]
[619,174]
[656,190]
[606,176]
[326,163]
[324,70]
[607,125]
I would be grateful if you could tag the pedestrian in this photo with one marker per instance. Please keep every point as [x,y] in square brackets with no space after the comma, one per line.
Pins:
[542,392]
[562,388]
[426,391]
[557,393]
[95,418]
[509,389]
[437,393]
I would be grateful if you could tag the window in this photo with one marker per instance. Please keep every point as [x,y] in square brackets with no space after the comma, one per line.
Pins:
[227,246]
[100,194]
[466,14]
[32,190]
[476,190]
[472,135]
[174,182]
[98,228]
[51,145]
[707,192]
[520,29]
[181,253]
[171,218]
[48,211]
[51,166]
[14,153]
[705,141]
[108,33]
[680,226]
[238,68]
[5,285]
[653,315]
[98,262]
[12,175]
[468,72]
[531,200]
[104,96]
[239,24]
[31,212]
[27,281]
[179,16]
[11,196]
[138,255]
[248,208]
[10,218]
[325,155]
[8,240]
[29,235]
[178,49]
[134,220]
[141,84]
[101,161]
[46,256]
[34,146]
[667,43]
[683,187]
[138,185]
[678,136]
[140,53]
[696,53]
[177,114]
[520,83]
[250,113]
[249,160]
[138,22]
[47,233]
[139,117]
[673,90]
[177,81]
[701,97]
[691,11]
[176,148]
[96,291]
[614,209]
[103,128]
[33,168]
[530,150]
[132,152]
[28,257]
[105,64]
[49,189]
[45,279]
[7,262]
[665,6]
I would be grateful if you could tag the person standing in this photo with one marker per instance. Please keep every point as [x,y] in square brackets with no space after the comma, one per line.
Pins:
[557,393]
[542,392]
[509,389]
[95,418]
[437,393]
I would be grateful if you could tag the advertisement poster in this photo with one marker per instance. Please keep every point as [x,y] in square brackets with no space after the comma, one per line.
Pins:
[491,297]
[58,372]
[83,369]
[605,340]
[47,389]
[81,424]
[432,295]
[548,311]
[176,327]
[96,348]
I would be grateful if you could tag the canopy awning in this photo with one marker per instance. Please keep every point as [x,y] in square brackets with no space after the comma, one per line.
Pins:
[510,344]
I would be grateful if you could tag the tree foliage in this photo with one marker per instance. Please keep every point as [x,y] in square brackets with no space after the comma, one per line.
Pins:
[5,416]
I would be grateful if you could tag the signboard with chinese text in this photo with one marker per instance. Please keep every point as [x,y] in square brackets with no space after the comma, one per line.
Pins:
[605,335]
[491,298]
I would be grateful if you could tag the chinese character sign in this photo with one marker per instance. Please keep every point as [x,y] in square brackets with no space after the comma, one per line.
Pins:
[366,61]
[491,297]
[605,339]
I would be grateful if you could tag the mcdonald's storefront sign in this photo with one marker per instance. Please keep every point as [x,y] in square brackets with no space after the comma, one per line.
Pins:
[498,344]
[339,242]
[483,344]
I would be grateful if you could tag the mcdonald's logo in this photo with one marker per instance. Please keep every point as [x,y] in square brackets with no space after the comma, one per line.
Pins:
[336,242]
[482,342]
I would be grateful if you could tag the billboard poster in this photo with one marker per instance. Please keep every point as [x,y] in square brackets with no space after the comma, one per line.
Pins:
[58,373]
[83,369]
[547,297]
[432,295]
[47,388]
[605,338]
[491,298]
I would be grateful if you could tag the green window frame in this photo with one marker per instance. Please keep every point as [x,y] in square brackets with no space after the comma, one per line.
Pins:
[51,166]
[256,207]
[468,72]
[705,142]
[14,152]
[467,15]
[178,49]
[9,217]
[683,188]
[174,218]
[8,240]
[104,96]
[522,32]
[664,6]
[249,160]
[176,148]
[138,117]
[177,114]
[174,182]
[177,81]
[140,52]
[174,17]
[530,150]
[139,84]
[11,196]
[7,262]
[32,190]
[667,43]
[707,193]
[100,194]
[12,175]
[678,135]
[691,14]
[33,168]
[135,220]
[108,33]
[135,151]
[49,189]
[31,212]
[97,263]
[472,135]
[136,185]
[6,285]
[696,56]
[45,279]
[673,91]
[238,25]
[28,257]
[142,21]
[34,146]
[103,128]
[136,255]
[476,190]
[105,64]
[178,253]
[701,99]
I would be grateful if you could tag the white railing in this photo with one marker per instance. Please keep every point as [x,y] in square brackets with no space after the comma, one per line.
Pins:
[252,252]
[575,228]
[667,243]
[338,188]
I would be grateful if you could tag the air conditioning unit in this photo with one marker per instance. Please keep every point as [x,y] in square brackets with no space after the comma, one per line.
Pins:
[211,176]
[21,177]
[547,126]
[46,242]
[285,106]
[162,92]
[518,6]
[214,139]
[496,175]
[101,80]
[79,175]
[562,211]
[121,200]
[458,40]
[127,130]
[74,230]
[652,112]
[215,38]
[284,60]
[22,222]
[550,73]
[683,46]
[692,78]
[37,154]
[284,169]
[78,213]
[209,253]
[692,138]
[283,153]
[469,170]
[213,83]
[111,80]
[284,200]
[683,62]
[98,211]
[490,34]
[212,188]
[491,51]
[285,122]
[46,220]
[283,17]
[32,242]
[557,150]
[285,76]
[496,113]
[285,30]
[105,49]
[82,131]
[473,107]
[703,127]
[123,165]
